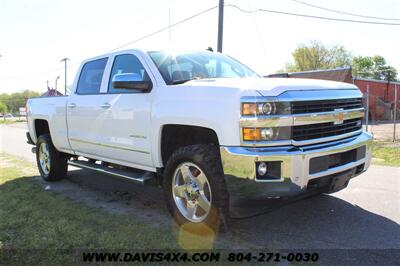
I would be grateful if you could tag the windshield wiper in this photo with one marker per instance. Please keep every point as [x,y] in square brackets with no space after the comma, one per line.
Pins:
[175,82]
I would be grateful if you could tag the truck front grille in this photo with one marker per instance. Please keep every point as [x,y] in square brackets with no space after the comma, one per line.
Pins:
[323,130]
[303,107]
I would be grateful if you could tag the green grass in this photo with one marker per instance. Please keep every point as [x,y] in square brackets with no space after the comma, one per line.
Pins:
[11,120]
[7,121]
[385,154]
[44,227]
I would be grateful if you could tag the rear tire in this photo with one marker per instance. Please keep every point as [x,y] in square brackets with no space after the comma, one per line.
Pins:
[52,164]
[195,189]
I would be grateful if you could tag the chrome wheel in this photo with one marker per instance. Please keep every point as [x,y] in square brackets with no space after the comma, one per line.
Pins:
[191,192]
[44,158]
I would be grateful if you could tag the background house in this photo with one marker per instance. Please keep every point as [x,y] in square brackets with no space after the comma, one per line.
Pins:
[51,93]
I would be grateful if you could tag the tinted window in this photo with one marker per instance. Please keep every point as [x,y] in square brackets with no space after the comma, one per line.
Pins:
[126,63]
[91,76]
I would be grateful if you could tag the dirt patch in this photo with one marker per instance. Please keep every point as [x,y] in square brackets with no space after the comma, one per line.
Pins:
[120,202]
[384,131]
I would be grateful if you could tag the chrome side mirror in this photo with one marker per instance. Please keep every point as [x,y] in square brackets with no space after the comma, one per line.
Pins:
[131,81]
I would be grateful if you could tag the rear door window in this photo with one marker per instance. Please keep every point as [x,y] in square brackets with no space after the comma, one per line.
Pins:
[91,76]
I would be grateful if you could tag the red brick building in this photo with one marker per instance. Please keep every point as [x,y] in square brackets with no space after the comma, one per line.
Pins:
[381,97]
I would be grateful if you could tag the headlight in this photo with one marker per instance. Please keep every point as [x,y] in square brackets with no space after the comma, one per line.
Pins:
[265,134]
[266,108]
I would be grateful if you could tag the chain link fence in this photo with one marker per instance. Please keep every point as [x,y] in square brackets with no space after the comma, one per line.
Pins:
[382,113]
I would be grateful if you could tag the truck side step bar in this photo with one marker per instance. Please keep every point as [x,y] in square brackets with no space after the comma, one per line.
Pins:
[138,176]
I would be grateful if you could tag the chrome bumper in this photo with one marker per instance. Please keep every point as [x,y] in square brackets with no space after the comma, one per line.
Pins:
[239,165]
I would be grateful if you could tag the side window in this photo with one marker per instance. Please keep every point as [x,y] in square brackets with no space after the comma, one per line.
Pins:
[91,75]
[126,63]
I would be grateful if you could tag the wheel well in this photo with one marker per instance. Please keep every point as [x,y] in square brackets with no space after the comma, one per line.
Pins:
[177,136]
[41,127]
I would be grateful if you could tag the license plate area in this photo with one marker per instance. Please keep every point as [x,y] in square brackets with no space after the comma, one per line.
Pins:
[324,163]
[341,180]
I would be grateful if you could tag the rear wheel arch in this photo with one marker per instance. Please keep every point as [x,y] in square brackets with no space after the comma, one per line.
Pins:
[41,127]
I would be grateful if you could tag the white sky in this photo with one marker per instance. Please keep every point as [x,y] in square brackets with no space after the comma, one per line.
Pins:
[36,34]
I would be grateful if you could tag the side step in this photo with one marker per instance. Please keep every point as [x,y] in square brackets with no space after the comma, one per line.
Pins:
[138,176]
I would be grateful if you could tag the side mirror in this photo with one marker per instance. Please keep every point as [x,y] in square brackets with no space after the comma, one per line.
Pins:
[130,81]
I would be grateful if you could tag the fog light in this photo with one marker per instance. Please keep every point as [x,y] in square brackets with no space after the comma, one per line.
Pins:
[267,133]
[262,169]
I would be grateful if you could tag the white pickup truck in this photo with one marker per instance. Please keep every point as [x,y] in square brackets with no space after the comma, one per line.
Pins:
[208,129]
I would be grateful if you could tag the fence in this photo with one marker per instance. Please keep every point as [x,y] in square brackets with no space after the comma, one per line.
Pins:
[382,109]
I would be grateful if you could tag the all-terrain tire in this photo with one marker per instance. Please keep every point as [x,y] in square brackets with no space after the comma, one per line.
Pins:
[54,165]
[205,157]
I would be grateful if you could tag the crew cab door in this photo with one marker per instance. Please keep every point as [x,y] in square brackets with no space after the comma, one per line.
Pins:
[127,118]
[84,108]
[119,129]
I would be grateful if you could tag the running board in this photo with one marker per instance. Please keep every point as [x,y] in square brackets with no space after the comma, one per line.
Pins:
[141,177]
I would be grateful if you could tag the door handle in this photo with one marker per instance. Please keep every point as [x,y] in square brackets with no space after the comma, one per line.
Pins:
[71,105]
[105,105]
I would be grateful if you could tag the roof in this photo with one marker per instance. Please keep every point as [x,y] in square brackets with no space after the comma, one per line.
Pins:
[337,74]
[51,93]
[378,81]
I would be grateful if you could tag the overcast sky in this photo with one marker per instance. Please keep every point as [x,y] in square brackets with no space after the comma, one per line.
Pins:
[36,34]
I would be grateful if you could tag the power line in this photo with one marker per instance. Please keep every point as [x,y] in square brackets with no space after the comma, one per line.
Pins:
[343,12]
[311,16]
[33,75]
[165,28]
[38,74]
[122,46]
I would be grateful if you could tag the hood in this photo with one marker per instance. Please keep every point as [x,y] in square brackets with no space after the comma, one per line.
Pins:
[272,86]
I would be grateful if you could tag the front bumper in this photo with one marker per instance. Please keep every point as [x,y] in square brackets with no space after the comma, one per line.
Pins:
[239,165]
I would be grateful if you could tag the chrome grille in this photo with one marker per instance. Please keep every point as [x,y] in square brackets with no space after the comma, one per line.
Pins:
[303,107]
[315,131]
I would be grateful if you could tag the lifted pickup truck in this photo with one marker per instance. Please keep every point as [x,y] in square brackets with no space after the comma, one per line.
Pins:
[208,129]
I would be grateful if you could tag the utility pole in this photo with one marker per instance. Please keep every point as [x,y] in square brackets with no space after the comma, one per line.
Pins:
[395,112]
[367,111]
[57,78]
[169,26]
[65,74]
[220,25]
[0,69]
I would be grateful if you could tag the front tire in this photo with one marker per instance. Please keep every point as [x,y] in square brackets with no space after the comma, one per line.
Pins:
[52,164]
[195,188]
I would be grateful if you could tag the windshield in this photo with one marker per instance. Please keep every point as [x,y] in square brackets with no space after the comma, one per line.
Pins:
[177,68]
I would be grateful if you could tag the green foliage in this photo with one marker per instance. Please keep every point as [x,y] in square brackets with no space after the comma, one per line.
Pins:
[3,108]
[374,67]
[316,55]
[16,100]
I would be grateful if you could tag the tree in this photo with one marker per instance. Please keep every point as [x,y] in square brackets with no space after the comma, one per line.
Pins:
[374,67]
[3,108]
[16,100]
[316,56]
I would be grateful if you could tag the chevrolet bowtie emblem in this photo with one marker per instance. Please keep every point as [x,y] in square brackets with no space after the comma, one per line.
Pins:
[339,116]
